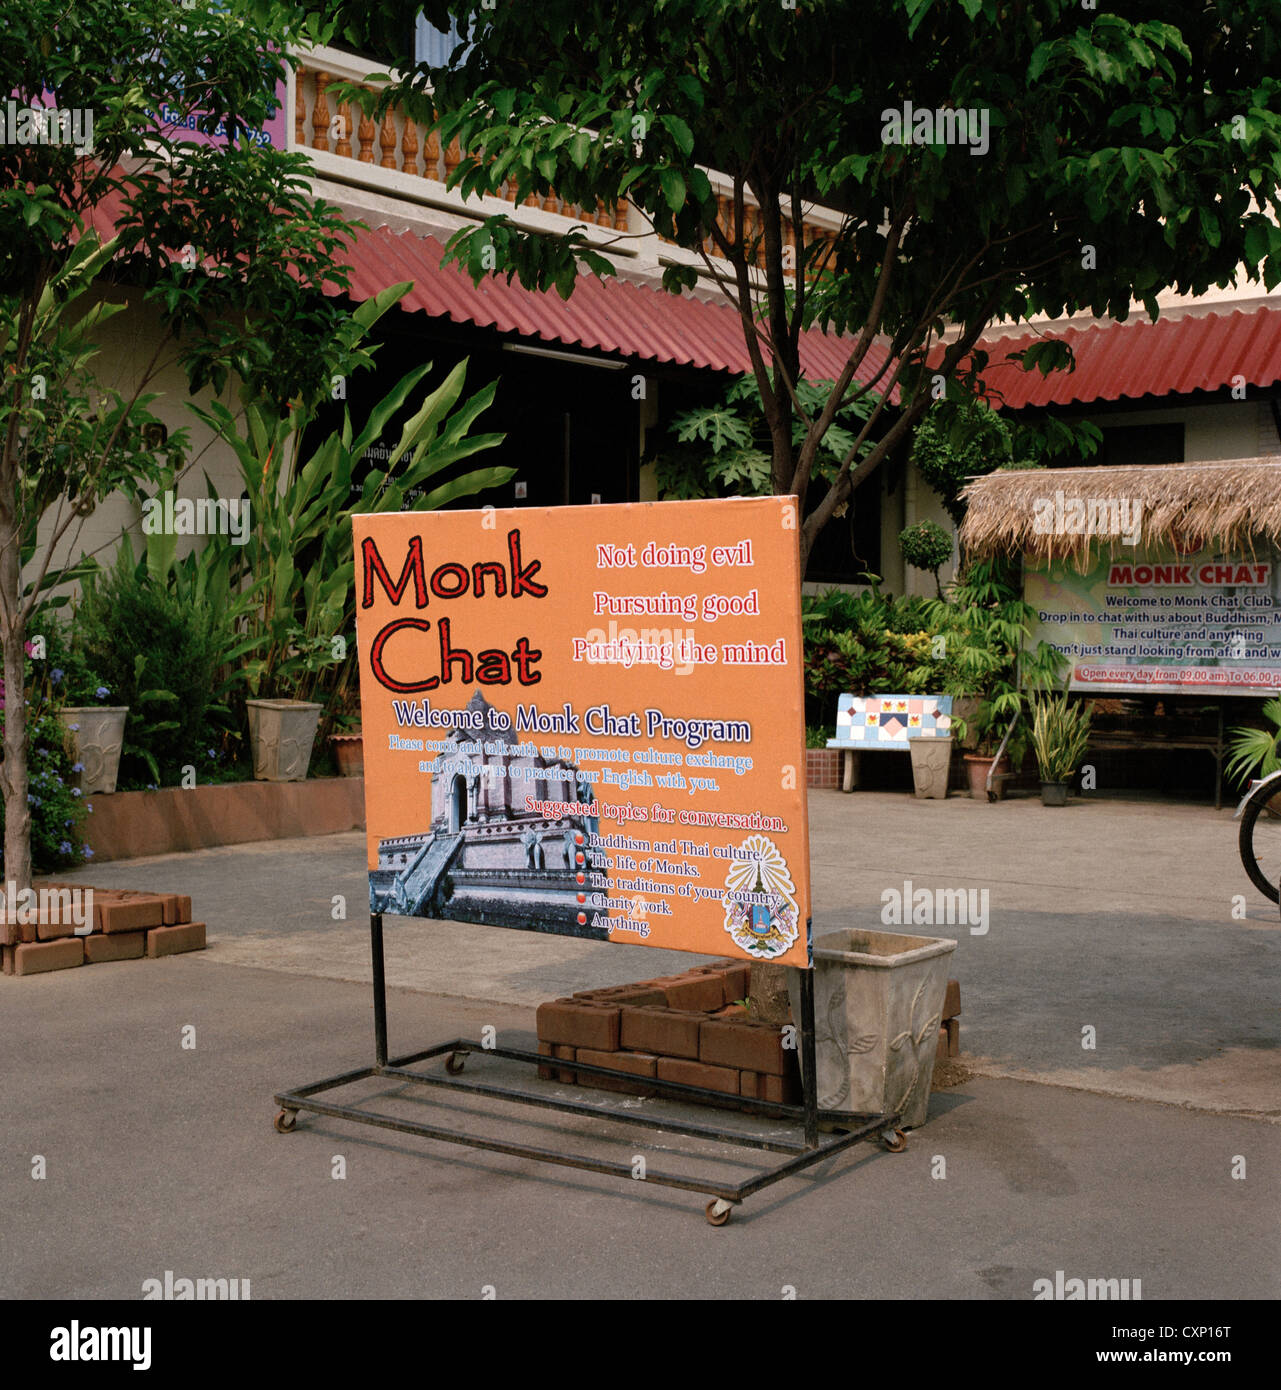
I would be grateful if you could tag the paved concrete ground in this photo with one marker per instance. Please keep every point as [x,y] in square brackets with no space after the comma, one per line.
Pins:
[160,1158]
[1111,915]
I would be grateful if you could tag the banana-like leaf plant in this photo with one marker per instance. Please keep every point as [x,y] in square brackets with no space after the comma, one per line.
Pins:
[295,567]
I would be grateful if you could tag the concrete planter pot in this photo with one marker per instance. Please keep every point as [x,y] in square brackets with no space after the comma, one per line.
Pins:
[94,737]
[878,1003]
[349,754]
[931,765]
[1054,793]
[282,733]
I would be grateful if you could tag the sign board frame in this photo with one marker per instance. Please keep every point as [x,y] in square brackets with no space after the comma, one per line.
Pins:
[801,1150]
[589,722]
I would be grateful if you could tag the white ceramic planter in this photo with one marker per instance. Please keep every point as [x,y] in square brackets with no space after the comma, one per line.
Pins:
[281,733]
[94,737]
[931,764]
[878,1003]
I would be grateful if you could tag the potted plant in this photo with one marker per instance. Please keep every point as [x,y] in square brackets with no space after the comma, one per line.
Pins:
[1060,732]
[985,623]
[348,745]
[93,731]
[295,562]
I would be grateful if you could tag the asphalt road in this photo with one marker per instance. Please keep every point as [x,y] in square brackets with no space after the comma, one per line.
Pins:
[160,1158]
[1155,1155]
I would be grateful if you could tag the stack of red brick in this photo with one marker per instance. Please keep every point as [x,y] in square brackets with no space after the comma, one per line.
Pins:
[689,1028]
[823,768]
[950,1029]
[126,925]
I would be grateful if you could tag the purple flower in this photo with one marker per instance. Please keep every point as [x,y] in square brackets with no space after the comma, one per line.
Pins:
[75,791]
[77,767]
[65,847]
[55,675]
[102,692]
[89,807]
[86,851]
[75,728]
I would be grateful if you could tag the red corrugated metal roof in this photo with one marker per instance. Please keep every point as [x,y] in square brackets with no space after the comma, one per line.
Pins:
[613,316]
[1198,352]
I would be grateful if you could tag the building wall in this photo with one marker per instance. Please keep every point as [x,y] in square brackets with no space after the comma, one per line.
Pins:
[1221,430]
[128,343]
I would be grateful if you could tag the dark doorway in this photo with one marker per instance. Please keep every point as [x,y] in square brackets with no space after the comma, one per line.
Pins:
[457,804]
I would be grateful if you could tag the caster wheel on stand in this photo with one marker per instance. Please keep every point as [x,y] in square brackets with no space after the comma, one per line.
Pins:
[455,1062]
[286,1122]
[718,1211]
[893,1141]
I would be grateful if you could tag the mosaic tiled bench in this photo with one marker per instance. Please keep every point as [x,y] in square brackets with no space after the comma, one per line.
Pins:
[883,724]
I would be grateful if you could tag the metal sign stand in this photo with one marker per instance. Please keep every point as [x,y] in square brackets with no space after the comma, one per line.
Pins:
[725,1196]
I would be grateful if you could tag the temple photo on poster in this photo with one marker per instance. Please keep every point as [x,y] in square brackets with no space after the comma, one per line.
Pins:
[476,854]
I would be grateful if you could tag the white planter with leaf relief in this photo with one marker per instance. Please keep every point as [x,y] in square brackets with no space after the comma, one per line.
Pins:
[94,736]
[281,733]
[878,1005]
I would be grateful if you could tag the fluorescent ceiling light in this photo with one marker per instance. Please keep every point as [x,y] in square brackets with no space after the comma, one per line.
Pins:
[580,357]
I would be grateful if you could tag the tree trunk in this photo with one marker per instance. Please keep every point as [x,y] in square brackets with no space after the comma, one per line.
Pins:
[13,769]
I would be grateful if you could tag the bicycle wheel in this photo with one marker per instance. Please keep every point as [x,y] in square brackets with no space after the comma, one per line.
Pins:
[1260,840]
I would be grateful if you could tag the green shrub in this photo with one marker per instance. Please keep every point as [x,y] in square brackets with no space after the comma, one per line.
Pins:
[159,653]
[1256,752]
[57,807]
[985,625]
[868,643]
[1060,735]
[926,546]
[958,441]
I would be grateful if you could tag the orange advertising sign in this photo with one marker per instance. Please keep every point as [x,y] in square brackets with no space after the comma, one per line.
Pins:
[589,721]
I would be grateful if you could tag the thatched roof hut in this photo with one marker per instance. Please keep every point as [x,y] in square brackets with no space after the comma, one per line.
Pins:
[1078,514]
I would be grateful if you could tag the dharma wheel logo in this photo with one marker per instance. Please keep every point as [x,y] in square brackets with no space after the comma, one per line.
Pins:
[760,912]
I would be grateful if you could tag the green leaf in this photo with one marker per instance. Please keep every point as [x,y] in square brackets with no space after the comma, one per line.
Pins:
[580,147]
[679,132]
[673,185]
